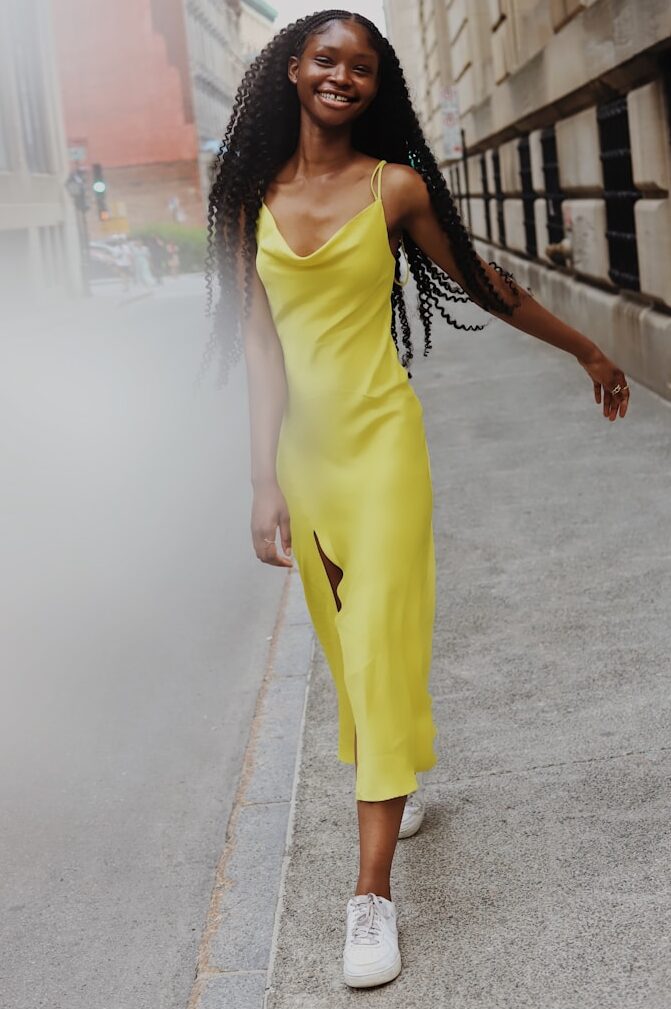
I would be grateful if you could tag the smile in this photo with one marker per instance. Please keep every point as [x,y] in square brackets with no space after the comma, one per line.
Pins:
[330,98]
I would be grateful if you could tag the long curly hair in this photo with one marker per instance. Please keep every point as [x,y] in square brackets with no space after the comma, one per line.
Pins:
[262,134]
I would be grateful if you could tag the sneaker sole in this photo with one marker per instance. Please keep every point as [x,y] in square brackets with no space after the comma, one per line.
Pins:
[379,977]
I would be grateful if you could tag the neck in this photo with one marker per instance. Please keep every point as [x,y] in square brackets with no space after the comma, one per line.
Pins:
[320,151]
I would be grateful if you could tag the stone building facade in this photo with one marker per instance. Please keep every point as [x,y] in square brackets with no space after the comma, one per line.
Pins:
[217,65]
[566,170]
[39,254]
[256,27]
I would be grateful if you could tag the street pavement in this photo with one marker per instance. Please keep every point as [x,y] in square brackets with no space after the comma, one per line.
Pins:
[135,625]
[539,879]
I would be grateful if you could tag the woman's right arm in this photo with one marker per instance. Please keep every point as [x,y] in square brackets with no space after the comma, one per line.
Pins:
[267,388]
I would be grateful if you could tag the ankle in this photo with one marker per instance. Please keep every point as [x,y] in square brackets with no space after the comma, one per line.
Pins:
[376,886]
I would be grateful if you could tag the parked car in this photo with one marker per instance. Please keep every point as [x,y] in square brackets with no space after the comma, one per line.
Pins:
[103,263]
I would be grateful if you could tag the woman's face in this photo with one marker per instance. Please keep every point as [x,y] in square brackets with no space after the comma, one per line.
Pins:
[336,78]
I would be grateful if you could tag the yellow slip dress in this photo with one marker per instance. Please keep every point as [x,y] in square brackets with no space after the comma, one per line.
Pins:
[353,465]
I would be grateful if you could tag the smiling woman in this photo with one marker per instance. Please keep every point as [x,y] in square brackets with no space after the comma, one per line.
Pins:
[323,173]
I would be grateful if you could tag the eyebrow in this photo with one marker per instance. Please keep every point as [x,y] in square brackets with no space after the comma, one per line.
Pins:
[334,49]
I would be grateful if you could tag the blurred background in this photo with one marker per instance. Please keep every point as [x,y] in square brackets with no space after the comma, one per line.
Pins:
[135,619]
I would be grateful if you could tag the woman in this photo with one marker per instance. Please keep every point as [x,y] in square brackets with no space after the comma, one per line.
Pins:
[323,173]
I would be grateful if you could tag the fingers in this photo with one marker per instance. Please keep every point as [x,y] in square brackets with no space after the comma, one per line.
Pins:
[285,534]
[624,403]
[597,392]
[607,401]
[266,550]
[616,398]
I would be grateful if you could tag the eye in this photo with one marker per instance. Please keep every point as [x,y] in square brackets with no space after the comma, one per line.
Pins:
[321,58]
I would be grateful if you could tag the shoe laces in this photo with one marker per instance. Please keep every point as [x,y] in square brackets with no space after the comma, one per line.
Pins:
[366,928]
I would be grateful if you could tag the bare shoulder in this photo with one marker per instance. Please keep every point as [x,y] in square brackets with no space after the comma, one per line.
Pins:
[405,189]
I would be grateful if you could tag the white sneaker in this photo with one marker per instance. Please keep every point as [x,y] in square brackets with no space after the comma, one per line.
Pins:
[371,954]
[413,814]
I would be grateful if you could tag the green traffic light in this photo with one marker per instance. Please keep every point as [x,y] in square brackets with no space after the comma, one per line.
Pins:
[99,186]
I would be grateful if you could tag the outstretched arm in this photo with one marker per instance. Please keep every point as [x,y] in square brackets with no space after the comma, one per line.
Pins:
[418,218]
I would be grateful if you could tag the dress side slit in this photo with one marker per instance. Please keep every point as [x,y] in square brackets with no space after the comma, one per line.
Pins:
[332,570]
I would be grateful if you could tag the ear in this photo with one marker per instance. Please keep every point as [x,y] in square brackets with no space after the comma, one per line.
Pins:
[292,69]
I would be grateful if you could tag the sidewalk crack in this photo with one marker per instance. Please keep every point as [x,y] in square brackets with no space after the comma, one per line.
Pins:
[558,763]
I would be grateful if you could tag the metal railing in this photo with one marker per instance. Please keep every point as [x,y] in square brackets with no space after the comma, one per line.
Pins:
[528,196]
[620,193]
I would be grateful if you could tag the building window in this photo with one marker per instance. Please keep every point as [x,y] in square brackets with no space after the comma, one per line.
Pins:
[486,197]
[496,162]
[553,193]
[528,196]
[620,193]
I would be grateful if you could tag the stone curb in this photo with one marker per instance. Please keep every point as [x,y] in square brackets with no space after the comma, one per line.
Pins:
[239,937]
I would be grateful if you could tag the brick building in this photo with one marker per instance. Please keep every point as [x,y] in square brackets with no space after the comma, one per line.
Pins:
[566,170]
[147,88]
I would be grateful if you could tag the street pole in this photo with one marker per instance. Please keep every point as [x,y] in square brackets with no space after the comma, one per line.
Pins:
[76,186]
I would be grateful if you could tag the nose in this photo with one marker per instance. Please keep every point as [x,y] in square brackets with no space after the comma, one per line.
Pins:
[340,75]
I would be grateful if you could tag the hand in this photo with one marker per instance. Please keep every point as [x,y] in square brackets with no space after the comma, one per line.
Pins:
[604,372]
[269,510]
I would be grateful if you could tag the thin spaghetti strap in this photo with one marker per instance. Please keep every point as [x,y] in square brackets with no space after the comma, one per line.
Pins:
[377,171]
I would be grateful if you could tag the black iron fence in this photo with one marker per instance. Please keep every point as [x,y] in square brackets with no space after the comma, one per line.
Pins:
[620,193]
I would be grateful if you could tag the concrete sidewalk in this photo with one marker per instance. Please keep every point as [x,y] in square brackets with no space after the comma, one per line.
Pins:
[539,878]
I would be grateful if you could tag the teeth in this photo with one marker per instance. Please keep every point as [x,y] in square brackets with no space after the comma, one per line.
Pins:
[335,98]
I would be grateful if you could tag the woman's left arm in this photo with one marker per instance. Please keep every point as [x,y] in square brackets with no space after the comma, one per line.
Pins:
[418,218]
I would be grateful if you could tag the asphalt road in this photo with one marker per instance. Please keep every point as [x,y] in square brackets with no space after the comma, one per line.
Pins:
[135,622]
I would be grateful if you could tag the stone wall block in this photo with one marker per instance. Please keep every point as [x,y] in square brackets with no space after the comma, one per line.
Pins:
[461,53]
[650,141]
[456,16]
[653,240]
[532,28]
[513,215]
[578,152]
[478,218]
[509,158]
[655,357]
[536,153]
[466,91]
[586,221]
[494,220]
[496,9]
[489,162]
[499,56]
[474,175]
[541,218]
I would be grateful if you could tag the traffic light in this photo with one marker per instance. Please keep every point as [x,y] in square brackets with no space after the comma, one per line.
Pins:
[100,190]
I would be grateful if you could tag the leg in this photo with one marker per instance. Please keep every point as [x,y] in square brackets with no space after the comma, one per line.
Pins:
[379,824]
